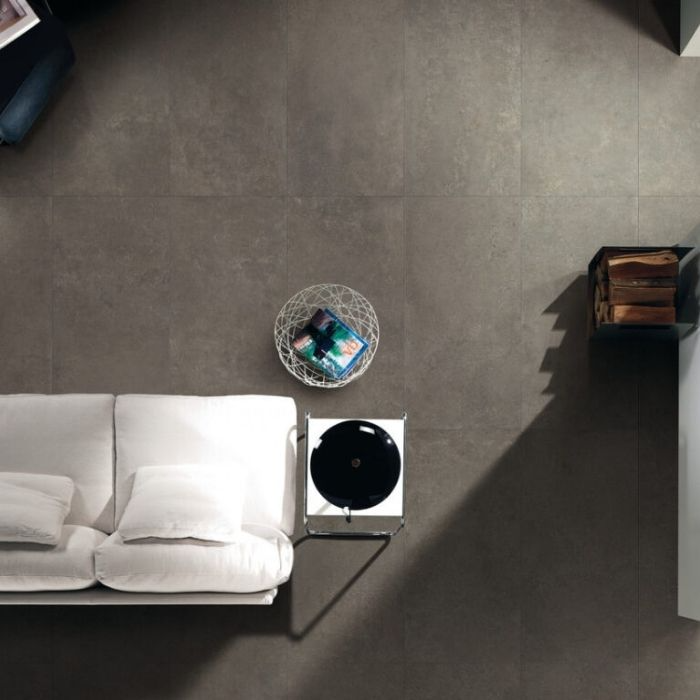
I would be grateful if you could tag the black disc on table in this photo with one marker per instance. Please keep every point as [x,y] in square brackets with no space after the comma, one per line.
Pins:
[355,464]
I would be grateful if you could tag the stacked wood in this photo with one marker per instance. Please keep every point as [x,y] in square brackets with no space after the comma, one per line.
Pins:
[636,288]
[643,265]
[625,313]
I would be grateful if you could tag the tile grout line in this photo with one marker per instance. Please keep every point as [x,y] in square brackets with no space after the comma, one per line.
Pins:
[522,312]
[169,92]
[288,657]
[286,10]
[638,121]
[286,145]
[522,101]
[171,306]
[168,209]
[52,277]
[404,28]
[52,651]
[638,363]
[286,99]
[638,521]
[283,194]
[52,182]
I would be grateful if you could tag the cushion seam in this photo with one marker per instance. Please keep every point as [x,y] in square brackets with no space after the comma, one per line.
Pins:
[45,576]
[164,573]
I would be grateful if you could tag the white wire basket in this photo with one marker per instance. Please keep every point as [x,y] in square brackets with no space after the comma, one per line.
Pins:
[349,306]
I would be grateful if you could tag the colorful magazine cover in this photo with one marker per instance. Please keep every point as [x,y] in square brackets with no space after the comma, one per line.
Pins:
[330,344]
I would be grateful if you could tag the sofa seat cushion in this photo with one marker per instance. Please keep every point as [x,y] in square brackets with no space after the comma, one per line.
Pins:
[260,559]
[66,566]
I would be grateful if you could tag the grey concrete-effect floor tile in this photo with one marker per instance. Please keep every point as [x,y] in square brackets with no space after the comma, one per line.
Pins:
[658,388]
[228,91]
[237,676]
[456,477]
[658,521]
[347,680]
[579,563]
[347,614]
[228,266]
[241,653]
[345,97]
[669,221]
[111,123]
[24,636]
[463,311]
[568,380]
[463,97]
[579,98]
[669,102]
[669,646]
[357,242]
[26,168]
[464,681]
[110,295]
[346,602]
[462,575]
[89,639]
[25,290]
[526,540]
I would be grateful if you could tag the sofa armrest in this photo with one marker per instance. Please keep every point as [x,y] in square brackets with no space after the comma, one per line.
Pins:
[34,92]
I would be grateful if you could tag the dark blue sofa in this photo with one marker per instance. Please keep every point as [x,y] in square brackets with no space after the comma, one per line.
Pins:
[31,68]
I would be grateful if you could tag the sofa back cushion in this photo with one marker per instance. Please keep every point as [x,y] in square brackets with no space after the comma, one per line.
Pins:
[257,433]
[70,435]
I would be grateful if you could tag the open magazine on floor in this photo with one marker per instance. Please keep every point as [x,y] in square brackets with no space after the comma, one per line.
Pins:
[330,344]
[16,18]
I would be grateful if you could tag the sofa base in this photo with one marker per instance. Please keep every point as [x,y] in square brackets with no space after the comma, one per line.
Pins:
[107,596]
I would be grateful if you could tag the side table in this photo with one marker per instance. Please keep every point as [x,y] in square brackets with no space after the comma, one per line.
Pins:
[354,472]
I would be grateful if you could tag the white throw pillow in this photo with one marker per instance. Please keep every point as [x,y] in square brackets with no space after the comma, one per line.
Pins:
[196,501]
[33,507]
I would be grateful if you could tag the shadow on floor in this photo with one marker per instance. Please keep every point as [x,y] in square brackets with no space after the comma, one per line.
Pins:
[559,566]
[689,287]
[656,19]
[76,12]
[668,26]
[558,546]
[299,632]
[529,542]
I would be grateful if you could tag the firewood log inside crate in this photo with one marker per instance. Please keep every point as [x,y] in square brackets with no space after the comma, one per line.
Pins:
[634,287]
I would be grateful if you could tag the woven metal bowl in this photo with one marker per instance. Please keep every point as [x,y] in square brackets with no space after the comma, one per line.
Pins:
[349,306]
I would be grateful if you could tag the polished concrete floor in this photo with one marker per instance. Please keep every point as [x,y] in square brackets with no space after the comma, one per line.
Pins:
[458,162]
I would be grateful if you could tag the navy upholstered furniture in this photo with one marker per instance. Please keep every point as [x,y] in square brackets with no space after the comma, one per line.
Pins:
[31,68]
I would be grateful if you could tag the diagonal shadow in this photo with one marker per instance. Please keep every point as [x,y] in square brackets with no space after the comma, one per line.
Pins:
[529,556]
[555,572]
[77,12]
[299,633]
[520,546]
[668,27]
[656,19]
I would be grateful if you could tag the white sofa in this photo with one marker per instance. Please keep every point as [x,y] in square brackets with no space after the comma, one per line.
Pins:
[100,441]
